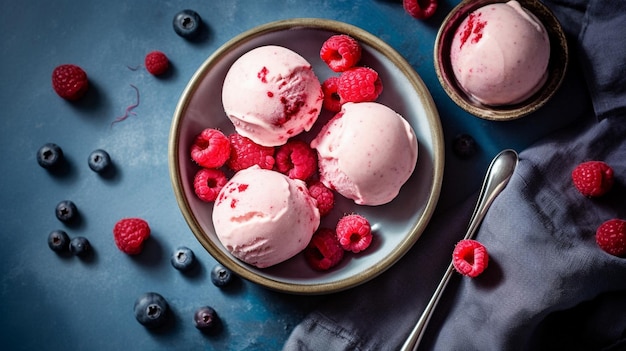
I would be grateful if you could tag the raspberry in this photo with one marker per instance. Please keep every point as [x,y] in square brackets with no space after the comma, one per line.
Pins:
[332,101]
[340,52]
[70,82]
[593,178]
[211,148]
[420,9]
[324,197]
[470,257]
[130,234]
[245,153]
[611,237]
[323,251]
[359,84]
[354,233]
[296,159]
[208,182]
[156,63]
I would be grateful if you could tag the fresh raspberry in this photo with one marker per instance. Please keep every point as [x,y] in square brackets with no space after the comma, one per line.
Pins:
[245,153]
[70,81]
[420,9]
[323,251]
[324,197]
[130,234]
[354,233]
[470,257]
[211,148]
[332,101]
[593,178]
[296,159]
[340,52]
[359,84]
[611,237]
[156,63]
[208,182]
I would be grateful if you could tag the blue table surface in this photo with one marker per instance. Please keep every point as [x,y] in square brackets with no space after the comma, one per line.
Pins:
[52,302]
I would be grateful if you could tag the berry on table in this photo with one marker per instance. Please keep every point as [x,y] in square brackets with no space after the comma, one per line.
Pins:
[420,9]
[464,146]
[296,159]
[332,101]
[611,237]
[80,246]
[69,81]
[354,233]
[206,319]
[245,153]
[151,310]
[359,84]
[470,257]
[156,63]
[66,211]
[340,52]
[324,250]
[207,183]
[130,234]
[220,275]
[59,241]
[593,178]
[183,258]
[324,197]
[211,148]
[99,161]
[187,24]
[50,156]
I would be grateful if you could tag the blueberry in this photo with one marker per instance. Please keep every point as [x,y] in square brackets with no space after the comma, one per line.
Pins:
[49,156]
[206,319]
[99,161]
[187,24]
[182,258]
[80,246]
[464,146]
[151,309]
[59,241]
[220,275]
[66,211]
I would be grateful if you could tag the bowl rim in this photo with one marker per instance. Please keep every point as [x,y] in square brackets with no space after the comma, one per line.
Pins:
[401,64]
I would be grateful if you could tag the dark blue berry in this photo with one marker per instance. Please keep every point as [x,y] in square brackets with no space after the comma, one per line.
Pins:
[151,309]
[187,24]
[99,161]
[206,319]
[49,156]
[464,146]
[182,258]
[220,275]
[80,246]
[66,211]
[59,241]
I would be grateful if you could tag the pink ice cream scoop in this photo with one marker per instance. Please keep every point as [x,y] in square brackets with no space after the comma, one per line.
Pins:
[500,54]
[366,153]
[271,94]
[263,217]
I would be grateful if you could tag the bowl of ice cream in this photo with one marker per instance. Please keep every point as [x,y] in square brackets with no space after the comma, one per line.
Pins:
[500,59]
[262,219]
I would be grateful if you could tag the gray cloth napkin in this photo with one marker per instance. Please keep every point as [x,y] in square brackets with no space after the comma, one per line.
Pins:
[548,285]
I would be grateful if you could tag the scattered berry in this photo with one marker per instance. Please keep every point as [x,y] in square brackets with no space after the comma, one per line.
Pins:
[66,211]
[332,101]
[420,9]
[183,258]
[245,153]
[593,178]
[151,310]
[59,241]
[99,161]
[359,84]
[80,246]
[324,250]
[340,52]
[211,148]
[70,82]
[296,159]
[611,237]
[464,146]
[324,197]
[187,24]
[220,275]
[354,233]
[50,156]
[470,257]
[130,234]
[206,319]
[156,63]
[208,182]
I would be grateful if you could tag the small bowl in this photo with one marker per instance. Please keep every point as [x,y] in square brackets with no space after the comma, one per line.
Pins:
[556,66]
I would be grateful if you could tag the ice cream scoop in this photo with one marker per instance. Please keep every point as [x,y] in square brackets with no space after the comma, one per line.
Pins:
[271,94]
[366,153]
[263,217]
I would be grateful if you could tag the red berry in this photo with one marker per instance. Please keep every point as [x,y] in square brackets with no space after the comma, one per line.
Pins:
[611,237]
[359,84]
[420,9]
[208,182]
[332,101]
[593,178]
[324,197]
[354,233]
[245,153]
[156,63]
[130,234]
[470,257]
[323,251]
[296,159]
[211,148]
[340,52]
[70,82]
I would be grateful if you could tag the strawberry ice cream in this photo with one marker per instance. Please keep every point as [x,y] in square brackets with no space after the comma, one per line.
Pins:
[263,217]
[366,153]
[500,54]
[271,94]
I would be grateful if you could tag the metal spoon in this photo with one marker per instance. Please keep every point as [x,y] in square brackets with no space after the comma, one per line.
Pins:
[498,175]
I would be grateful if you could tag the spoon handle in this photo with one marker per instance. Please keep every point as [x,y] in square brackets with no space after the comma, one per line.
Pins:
[498,174]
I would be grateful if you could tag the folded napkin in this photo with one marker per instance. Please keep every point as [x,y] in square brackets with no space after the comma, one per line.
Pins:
[548,285]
